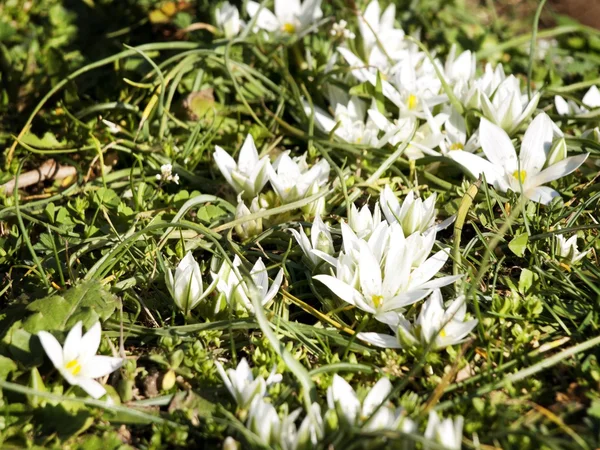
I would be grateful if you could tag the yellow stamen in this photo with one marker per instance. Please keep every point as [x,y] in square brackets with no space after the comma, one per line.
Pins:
[289,28]
[443,333]
[412,101]
[73,366]
[358,140]
[377,299]
[457,146]
[520,175]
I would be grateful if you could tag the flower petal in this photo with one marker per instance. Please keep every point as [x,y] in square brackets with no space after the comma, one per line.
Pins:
[339,288]
[92,387]
[72,345]
[536,145]
[558,170]
[52,348]
[379,340]
[497,146]
[101,365]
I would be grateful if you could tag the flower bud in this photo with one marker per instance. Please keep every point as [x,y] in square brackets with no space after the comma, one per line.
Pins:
[250,228]
[186,286]
[558,152]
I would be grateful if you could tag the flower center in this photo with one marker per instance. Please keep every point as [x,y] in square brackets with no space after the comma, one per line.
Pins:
[73,366]
[377,300]
[443,333]
[412,101]
[457,146]
[289,28]
[520,175]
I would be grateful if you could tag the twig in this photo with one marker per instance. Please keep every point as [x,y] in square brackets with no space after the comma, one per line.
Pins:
[50,170]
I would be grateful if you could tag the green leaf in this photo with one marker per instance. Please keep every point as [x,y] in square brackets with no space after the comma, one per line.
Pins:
[519,244]
[7,366]
[209,213]
[88,302]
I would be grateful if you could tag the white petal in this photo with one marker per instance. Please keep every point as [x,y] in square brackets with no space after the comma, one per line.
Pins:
[369,272]
[89,343]
[476,166]
[265,20]
[558,170]
[562,107]
[379,340]
[248,157]
[72,345]
[591,98]
[92,387]
[376,396]
[52,348]
[497,146]
[536,144]
[428,269]
[225,163]
[339,288]
[100,365]
[541,194]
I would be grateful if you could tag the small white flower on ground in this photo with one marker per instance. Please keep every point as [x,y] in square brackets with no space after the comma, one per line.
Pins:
[566,249]
[290,17]
[348,122]
[227,17]
[166,174]
[264,421]
[590,100]
[292,179]
[249,228]
[304,437]
[446,432]
[524,173]
[340,30]
[77,361]
[435,325]
[186,286]
[320,244]
[241,384]
[236,290]
[249,175]
[362,221]
[509,108]
[414,215]
[372,413]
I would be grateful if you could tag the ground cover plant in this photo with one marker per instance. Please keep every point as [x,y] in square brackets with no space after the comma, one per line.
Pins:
[298,224]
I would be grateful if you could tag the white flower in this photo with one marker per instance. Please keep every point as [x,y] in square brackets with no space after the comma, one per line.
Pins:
[508,107]
[338,29]
[506,171]
[378,276]
[166,174]
[241,384]
[292,179]
[414,215]
[304,437]
[436,326]
[349,123]
[77,361]
[456,136]
[567,250]
[249,228]
[228,19]
[186,286]
[362,221]
[264,421]
[460,68]
[446,432]
[351,412]
[426,137]
[320,244]
[591,99]
[291,16]
[236,290]
[249,175]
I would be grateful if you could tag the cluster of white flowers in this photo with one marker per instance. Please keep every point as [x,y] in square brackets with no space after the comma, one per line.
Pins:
[166,174]
[340,30]
[290,177]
